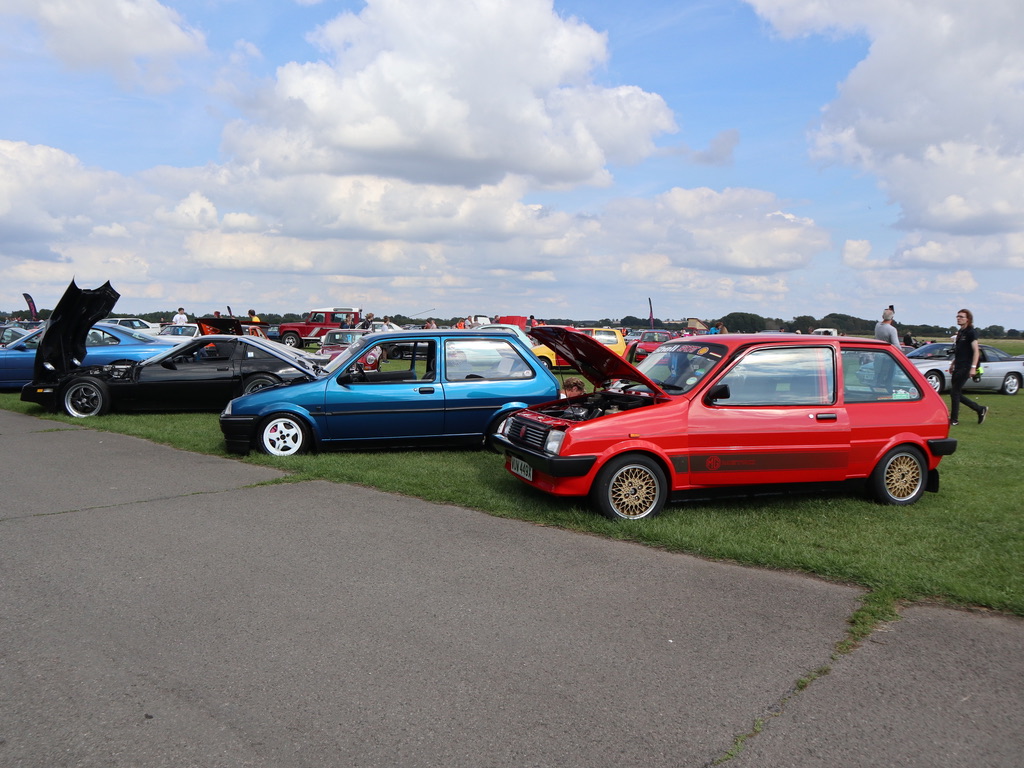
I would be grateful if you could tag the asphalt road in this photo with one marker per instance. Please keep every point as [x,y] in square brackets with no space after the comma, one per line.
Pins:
[161,608]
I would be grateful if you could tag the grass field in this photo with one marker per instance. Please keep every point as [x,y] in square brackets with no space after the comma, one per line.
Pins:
[963,545]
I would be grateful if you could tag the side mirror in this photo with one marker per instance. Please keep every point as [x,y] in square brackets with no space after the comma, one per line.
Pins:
[169,365]
[717,392]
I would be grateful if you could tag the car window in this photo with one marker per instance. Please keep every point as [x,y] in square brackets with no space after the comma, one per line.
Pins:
[317,317]
[491,359]
[100,338]
[876,376]
[782,376]
[606,337]
[993,355]
[412,360]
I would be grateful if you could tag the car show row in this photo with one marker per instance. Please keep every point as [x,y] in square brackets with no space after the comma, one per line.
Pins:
[668,416]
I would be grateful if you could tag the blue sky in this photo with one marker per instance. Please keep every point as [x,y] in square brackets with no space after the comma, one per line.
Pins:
[566,159]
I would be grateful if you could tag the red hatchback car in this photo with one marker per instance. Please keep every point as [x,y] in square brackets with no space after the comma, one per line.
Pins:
[729,411]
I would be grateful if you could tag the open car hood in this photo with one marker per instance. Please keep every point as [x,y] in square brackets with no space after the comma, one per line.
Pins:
[598,364]
[211,325]
[62,344]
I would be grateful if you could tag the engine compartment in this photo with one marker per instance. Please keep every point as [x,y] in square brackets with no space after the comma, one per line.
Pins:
[596,405]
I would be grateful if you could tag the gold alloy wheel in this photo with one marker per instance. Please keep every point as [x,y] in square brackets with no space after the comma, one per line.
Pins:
[633,491]
[903,477]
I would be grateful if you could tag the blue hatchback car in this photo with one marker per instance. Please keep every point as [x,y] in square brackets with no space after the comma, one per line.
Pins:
[104,344]
[406,388]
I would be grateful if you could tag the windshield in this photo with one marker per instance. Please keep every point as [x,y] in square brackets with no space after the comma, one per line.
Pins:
[677,368]
[346,358]
[939,350]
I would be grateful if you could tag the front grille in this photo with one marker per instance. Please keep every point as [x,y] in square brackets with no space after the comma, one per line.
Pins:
[528,433]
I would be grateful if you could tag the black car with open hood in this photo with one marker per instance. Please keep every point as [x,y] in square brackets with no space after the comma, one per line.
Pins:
[62,346]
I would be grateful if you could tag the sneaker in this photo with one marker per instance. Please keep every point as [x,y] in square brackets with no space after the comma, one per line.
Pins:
[982,414]
[954,423]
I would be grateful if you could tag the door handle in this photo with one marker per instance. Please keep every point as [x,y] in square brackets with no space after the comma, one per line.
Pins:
[826,417]
[426,390]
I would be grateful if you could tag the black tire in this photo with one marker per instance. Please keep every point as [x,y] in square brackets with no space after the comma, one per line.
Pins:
[936,380]
[282,435]
[292,339]
[257,382]
[85,397]
[546,363]
[1011,384]
[630,487]
[900,476]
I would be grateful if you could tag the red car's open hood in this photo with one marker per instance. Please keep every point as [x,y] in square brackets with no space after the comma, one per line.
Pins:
[594,360]
[62,344]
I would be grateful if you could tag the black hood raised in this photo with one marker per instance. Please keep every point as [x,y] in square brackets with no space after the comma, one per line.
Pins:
[62,345]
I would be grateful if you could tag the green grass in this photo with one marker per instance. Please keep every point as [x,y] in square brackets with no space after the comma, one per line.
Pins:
[963,545]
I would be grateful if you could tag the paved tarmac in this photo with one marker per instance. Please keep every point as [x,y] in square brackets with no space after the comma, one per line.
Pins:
[162,608]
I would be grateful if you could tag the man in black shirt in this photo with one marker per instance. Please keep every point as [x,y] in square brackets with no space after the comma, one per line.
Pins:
[966,354]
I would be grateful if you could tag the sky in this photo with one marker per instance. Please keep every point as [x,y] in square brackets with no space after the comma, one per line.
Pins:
[568,159]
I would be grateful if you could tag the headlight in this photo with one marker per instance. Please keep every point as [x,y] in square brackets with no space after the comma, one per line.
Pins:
[553,444]
[503,428]
[227,409]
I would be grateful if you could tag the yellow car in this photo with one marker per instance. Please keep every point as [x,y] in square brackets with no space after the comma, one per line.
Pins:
[610,337]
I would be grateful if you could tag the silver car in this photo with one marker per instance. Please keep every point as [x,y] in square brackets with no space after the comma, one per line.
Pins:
[1001,371]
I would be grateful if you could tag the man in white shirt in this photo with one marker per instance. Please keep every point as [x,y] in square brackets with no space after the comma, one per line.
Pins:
[181,318]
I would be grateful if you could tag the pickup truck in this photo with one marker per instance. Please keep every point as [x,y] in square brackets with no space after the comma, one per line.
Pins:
[316,323]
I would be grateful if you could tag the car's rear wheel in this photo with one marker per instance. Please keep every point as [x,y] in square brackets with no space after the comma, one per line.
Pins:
[546,363]
[86,397]
[1011,384]
[258,381]
[292,339]
[282,435]
[935,380]
[900,476]
[630,487]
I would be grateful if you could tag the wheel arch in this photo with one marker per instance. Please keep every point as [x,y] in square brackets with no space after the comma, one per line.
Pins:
[295,412]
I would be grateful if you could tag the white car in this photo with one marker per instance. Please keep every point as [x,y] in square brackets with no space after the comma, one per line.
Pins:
[135,324]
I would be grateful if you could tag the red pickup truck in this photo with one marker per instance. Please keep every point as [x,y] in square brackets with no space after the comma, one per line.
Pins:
[316,323]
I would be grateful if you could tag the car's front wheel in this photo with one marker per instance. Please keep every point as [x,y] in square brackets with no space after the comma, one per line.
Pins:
[1011,384]
[630,487]
[282,435]
[900,476]
[86,397]
[258,381]
[935,380]
[292,339]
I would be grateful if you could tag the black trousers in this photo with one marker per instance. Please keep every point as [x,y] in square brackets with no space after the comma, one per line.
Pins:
[956,393]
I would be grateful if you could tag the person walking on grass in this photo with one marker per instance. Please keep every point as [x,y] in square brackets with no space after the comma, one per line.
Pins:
[966,358]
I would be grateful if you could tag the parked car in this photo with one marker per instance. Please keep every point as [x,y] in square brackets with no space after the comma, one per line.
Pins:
[1001,371]
[336,341]
[610,337]
[104,344]
[450,390]
[316,323]
[135,324]
[736,410]
[9,333]
[645,343]
[198,375]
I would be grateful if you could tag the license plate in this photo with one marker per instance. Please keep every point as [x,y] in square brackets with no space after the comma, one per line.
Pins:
[522,469]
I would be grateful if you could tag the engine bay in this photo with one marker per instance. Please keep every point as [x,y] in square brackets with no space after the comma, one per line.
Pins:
[596,405]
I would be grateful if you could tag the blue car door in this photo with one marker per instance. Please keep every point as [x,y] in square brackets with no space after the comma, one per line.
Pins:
[396,395]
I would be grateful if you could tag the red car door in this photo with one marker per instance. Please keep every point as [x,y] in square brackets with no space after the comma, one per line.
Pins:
[782,421]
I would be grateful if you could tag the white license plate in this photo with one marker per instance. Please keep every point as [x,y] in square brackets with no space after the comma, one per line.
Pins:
[522,469]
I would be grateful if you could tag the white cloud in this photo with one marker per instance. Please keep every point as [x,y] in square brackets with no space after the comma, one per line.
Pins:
[135,40]
[934,111]
[454,93]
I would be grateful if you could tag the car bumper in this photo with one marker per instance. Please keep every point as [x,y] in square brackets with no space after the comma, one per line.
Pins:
[944,447]
[238,432]
[44,396]
[553,466]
